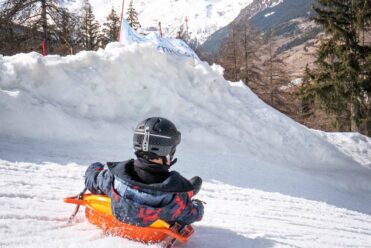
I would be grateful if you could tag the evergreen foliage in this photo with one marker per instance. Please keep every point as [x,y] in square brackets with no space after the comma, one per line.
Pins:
[90,29]
[36,15]
[68,33]
[111,27]
[132,17]
[341,81]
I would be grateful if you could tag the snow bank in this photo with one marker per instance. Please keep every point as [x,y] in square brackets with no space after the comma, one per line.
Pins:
[354,145]
[95,99]
[175,47]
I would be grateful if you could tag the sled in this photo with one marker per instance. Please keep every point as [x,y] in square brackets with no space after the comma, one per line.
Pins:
[98,212]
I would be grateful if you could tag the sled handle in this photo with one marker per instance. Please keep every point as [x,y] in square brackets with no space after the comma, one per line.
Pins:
[173,234]
[75,200]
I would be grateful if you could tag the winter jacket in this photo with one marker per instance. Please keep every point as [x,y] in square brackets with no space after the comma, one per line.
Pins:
[134,202]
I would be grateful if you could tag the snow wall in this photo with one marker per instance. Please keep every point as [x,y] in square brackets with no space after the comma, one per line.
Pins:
[95,99]
[175,47]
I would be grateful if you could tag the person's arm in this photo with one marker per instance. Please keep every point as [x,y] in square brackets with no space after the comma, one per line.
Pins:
[98,180]
[190,210]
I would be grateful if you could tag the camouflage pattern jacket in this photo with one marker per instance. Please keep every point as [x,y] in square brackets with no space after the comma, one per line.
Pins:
[142,204]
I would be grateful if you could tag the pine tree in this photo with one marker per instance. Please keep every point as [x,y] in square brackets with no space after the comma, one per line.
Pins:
[67,33]
[35,14]
[111,27]
[90,34]
[133,17]
[341,81]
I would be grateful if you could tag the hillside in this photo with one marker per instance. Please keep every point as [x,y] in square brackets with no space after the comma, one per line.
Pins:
[279,31]
[288,19]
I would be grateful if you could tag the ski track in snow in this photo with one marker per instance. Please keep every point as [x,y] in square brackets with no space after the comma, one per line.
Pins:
[34,215]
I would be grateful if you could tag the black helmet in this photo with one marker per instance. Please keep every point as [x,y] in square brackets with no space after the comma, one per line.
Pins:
[156,135]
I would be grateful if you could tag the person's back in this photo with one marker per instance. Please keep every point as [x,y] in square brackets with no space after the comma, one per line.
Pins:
[144,190]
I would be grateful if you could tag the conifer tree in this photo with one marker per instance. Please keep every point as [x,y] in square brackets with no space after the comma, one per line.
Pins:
[35,14]
[111,27]
[341,81]
[133,17]
[90,34]
[67,33]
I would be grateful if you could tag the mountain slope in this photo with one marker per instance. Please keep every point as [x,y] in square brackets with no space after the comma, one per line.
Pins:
[281,12]
[204,17]
[285,18]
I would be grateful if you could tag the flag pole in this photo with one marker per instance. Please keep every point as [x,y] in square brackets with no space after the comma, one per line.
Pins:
[122,17]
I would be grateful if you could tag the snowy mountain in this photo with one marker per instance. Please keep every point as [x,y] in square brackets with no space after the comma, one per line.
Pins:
[287,18]
[280,12]
[269,181]
[204,16]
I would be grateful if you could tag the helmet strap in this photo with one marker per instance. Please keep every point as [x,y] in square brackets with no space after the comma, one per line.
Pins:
[173,161]
[168,160]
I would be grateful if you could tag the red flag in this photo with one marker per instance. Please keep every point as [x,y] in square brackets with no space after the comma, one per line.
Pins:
[43,45]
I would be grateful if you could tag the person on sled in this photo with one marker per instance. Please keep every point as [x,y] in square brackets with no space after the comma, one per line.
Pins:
[144,190]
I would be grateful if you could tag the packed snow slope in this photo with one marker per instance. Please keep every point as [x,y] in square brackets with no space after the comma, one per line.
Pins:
[33,215]
[269,182]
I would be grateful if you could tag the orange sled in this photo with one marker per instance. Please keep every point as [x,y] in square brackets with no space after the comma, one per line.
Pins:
[98,212]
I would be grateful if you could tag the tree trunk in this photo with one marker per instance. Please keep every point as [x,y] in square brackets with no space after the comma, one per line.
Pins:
[246,59]
[235,54]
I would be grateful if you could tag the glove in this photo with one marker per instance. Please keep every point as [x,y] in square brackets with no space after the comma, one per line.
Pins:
[200,208]
[91,177]
[94,168]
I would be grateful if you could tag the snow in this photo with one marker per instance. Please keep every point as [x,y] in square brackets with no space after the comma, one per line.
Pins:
[204,16]
[269,181]
[276,3]
[176,47]
[269,14]
[9,92]
[33,215]
[355,145]
[294,83]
